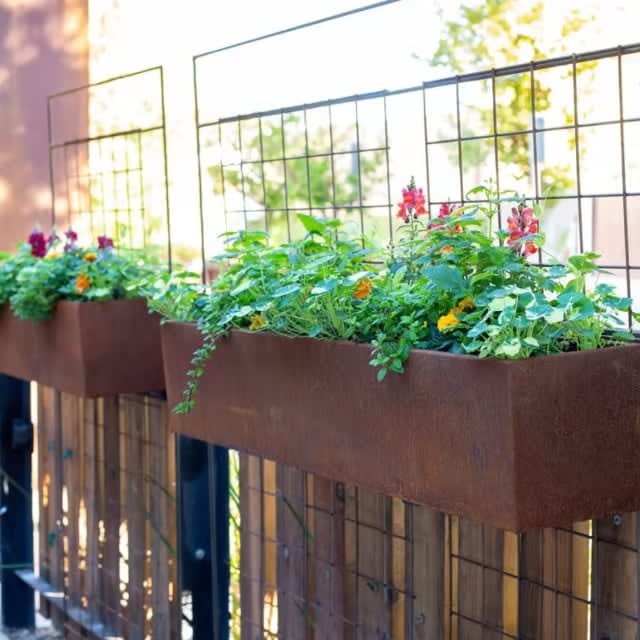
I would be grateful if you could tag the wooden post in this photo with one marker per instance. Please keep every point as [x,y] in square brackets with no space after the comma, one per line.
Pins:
[161,553]
[90,496]
[615,571]
[112,516]
[133,428]
[251,597]
[427,570]
[71,466]
[373,554]
[327,559]
[292,552]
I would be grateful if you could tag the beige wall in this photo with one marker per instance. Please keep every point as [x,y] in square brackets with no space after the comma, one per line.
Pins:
[43,49]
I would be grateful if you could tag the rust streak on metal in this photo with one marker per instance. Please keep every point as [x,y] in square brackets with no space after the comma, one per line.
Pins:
[516,444]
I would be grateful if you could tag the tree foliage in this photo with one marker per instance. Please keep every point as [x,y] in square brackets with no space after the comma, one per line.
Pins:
[496,33]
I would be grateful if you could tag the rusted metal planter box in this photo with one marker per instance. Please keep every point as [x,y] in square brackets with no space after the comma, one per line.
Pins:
[516,444]
[86,348]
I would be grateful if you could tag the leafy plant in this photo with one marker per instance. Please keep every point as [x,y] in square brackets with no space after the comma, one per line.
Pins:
[43,272]
[451,283]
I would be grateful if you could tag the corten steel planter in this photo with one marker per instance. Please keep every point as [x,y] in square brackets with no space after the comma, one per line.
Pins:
[86,348]
[517,444]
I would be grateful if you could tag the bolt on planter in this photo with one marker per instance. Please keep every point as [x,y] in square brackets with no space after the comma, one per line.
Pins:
[86,348]
[516,444]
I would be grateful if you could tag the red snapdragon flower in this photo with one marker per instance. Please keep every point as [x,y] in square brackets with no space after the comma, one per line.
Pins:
[104,242]
[521,223]
[413,201]
[446,209]
[38,244]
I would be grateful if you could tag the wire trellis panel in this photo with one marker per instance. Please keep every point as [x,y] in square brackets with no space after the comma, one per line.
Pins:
[349,157]
[318,559]
[108,161]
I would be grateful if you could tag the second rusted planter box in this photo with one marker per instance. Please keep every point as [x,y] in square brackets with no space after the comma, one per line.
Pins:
[86,348]
[516,444]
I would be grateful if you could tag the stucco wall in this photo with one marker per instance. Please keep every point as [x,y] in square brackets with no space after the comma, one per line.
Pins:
[43,49]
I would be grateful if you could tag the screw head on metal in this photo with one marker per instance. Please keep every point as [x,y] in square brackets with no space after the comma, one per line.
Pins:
[617,520]
[199,554]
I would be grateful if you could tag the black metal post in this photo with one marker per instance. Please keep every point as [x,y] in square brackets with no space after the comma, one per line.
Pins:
[16,524]
[203,494]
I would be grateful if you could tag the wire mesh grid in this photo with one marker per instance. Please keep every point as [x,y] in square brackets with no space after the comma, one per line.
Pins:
[319,559]
[562,132]
[108,160]
[316,559]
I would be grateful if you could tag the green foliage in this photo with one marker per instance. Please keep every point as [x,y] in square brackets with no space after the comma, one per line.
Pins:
[32,285]
[451,284]
[497,33]
[309,182]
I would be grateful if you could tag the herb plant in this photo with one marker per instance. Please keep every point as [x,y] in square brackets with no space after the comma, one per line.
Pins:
[46,270]
[454,283]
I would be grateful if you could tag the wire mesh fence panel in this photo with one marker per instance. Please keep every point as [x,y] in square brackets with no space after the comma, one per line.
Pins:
[108,161]
[318,559]
[109,544]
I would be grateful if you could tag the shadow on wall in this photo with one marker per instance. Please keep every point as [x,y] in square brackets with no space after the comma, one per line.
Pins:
[43,49]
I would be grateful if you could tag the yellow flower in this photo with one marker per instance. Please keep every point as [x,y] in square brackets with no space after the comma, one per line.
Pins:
[466,304]
[52,255]
[256,323]
[448,322]
[363,289]
[90,257]
[82,283]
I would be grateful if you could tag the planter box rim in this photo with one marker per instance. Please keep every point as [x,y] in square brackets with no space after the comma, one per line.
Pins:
[433,352]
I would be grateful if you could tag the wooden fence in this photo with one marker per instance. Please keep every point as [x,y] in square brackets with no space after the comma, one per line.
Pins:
[326,561]
[107,516]
[316,560]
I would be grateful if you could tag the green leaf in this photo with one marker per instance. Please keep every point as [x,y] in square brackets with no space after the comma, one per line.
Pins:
[625,336]
[500,304]
[247,283]
[318,262]
[286,290]
[445,277]
[554,316]
[311,224]
[510,348]
[326,286]
[538,310]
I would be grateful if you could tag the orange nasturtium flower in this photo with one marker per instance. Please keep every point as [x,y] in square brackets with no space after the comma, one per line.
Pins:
[363,289]
[90,257]
[82,283]
[447,249]
[466,304]
[449,321]
[256,323]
